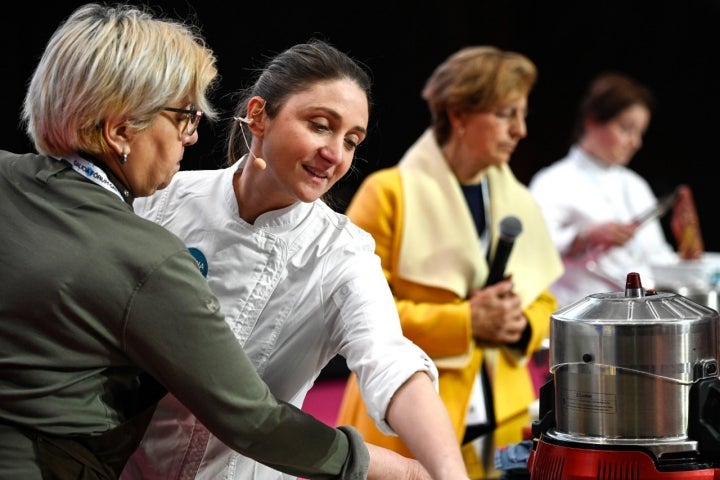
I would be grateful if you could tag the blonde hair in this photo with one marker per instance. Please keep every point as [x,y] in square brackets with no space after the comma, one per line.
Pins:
[476,79]
[113,61]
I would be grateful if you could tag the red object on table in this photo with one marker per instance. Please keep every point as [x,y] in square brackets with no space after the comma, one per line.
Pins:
[686,226]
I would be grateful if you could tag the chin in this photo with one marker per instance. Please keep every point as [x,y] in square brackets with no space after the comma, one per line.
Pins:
[309,196]
[499,161]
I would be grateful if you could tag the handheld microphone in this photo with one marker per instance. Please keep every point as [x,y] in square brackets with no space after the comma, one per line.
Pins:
[510,228]
[259,163]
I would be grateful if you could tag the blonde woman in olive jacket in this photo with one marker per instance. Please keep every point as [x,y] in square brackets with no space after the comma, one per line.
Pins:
[433,253]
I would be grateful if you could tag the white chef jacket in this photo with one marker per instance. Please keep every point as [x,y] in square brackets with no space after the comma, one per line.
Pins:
[298,286]
[578,191]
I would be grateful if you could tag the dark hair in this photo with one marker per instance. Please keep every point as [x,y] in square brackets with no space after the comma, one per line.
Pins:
[609,94]
[294,70]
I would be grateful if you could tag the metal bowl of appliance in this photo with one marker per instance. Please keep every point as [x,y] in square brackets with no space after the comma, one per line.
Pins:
[634,391]
[623,365]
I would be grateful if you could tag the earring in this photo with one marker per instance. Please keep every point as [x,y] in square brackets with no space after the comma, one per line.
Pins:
[461,131]
[123,158]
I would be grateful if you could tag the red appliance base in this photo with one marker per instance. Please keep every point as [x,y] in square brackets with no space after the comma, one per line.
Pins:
[554,462]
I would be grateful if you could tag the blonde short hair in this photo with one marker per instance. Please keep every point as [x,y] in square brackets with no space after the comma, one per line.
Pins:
[121,61]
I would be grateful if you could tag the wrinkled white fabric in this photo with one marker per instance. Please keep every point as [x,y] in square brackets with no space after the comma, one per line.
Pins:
[299,286]
[578,191]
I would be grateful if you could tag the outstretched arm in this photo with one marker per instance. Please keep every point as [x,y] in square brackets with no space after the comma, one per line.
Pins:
[419,417]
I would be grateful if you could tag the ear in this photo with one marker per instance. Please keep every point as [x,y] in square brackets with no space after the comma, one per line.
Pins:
[457,120]
[257,115]
[116,132]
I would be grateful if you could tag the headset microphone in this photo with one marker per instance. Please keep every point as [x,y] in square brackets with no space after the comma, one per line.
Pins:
[258,162]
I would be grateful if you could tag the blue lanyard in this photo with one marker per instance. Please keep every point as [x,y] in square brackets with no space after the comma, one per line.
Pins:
[93,173]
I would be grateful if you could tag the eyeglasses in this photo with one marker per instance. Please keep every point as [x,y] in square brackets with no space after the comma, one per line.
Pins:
[192,118]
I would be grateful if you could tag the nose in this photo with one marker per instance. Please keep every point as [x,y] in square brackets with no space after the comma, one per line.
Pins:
[190,139]
[518,127]
[333,151]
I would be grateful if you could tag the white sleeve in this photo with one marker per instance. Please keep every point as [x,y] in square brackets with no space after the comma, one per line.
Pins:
[370,336]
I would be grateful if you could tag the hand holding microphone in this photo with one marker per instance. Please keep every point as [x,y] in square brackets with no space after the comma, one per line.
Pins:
[496,315]
[496,312]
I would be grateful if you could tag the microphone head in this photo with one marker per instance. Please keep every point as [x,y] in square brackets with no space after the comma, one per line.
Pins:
[510,227]
[259,163]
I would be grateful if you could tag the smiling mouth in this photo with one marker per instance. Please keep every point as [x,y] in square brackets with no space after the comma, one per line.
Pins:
[315,173]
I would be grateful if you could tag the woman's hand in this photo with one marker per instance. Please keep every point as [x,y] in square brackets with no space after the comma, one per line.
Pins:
[496,313]
[602,237]
[388,465]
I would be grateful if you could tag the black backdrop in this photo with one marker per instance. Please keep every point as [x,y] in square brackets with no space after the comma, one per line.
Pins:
[671,46]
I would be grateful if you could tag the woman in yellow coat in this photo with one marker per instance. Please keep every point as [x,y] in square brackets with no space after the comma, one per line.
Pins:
[435,218]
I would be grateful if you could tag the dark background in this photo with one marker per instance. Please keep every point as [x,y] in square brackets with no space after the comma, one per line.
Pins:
[671,46]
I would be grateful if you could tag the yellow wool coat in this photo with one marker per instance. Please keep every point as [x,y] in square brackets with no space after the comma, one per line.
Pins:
[430,253]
